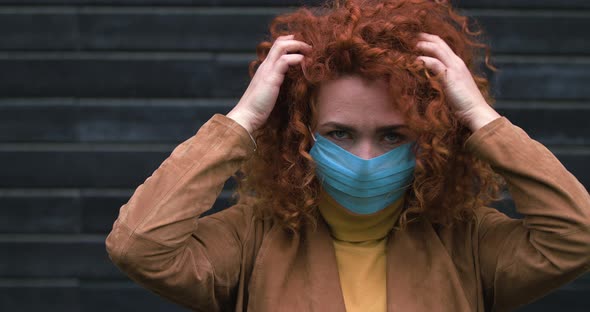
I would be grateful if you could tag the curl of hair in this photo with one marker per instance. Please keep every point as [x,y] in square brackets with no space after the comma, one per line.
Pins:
[374,39]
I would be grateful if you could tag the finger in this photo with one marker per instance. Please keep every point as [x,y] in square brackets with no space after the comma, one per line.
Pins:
[285,37]
[280,48]
[437,47]
[437,40]
[431,49]
[287,60]
[433,64]
[303,47]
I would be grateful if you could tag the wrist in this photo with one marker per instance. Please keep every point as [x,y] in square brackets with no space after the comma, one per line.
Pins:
[478,118]
[241,119]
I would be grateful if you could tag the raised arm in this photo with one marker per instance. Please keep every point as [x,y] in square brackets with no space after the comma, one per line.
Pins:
[522,260]
[158,240]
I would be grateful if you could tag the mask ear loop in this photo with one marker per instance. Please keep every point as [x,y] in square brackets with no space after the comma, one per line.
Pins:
[311,132]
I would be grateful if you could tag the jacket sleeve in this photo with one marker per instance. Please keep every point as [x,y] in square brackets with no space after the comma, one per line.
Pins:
[158,239]
[522,260]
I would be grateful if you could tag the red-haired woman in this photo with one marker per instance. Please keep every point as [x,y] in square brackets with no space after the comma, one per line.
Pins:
[367,151]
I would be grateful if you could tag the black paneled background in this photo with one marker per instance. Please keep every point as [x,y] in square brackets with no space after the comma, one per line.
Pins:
[96,93]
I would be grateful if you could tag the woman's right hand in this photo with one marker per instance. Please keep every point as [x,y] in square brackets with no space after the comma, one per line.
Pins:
[260,97]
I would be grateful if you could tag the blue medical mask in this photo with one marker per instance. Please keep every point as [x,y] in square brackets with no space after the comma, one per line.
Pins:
[363,186]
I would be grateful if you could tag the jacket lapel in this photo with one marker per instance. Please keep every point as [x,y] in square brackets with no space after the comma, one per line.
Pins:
[420,274]
[297,273]
[322,271]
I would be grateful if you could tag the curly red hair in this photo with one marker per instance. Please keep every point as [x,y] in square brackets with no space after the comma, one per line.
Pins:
[374,40]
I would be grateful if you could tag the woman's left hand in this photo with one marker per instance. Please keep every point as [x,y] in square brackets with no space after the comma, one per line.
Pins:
[468,103]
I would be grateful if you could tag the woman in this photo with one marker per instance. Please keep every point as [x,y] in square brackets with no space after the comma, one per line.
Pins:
[366,150]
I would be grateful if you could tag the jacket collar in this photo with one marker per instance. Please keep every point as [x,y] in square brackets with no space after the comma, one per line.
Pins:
[420,274]
[299,273]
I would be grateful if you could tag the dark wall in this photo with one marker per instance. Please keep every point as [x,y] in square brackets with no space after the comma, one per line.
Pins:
[95,95]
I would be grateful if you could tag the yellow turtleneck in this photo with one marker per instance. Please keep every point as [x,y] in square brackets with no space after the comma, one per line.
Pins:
[360,243]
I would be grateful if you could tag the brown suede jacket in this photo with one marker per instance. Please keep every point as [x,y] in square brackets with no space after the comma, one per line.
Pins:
[234,261]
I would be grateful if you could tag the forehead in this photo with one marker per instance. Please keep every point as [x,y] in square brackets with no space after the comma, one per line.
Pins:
[354,101]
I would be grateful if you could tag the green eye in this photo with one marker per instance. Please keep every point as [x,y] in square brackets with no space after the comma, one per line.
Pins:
[392,138]
[338,134]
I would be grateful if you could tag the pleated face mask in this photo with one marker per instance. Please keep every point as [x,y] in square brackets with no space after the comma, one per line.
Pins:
[363,186]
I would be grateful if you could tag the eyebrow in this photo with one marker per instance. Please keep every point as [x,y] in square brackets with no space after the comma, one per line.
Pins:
[338,125]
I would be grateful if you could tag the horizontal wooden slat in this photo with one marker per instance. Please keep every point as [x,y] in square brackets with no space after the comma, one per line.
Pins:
[32,31]
[30,214]
[217,31]
[85,169]
[536,34]
[235,31]
[170,120]
[80,212]
[199,76]
[578,165]
[39,298]
[227,76]
[197,3]
[542,79]
[72,258]
[114,168]
[81,296]
[570,4]
[89,120]
[524,4]
[558,124]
